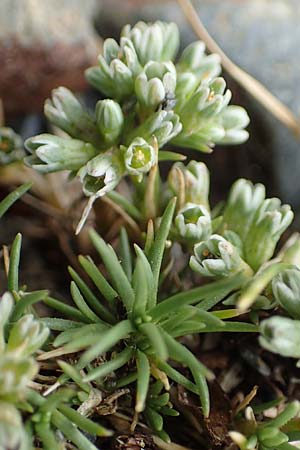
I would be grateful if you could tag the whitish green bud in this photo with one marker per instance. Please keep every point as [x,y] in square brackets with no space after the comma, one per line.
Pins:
[125,52]
[67,113]
[110,120]
[11,146]
[139,157]
[114,79]
[203,114]
[217,257]
[6,307]
[158,41]
[243,201]
[186,85]
[196,182]
[234,119]
[291,250]
[193,59]
[281,335]
[15,374]
[193,222]
[286,290]
[163,125]
[270,221]
[156,82]
[11,428]
[26,336]
[100,175]
[52,153]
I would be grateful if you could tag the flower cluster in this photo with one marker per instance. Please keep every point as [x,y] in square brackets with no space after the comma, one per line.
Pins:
[17,367]
[11,146]
[152,100]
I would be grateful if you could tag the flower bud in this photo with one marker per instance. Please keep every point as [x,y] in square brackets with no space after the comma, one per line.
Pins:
[196,182]
[139,157]
[110,120]
[243,201]
[52,153]
[153,42]
[290,253]
[26,336]
[15,374]
[114,79]
[11,147]
[234,119]
[193,59]
[193,222]
[270,221]
[154,83]
[6,307]
[11,428]
[164,125]
[203,114]
[100,175]
[66,112]
[281,335]
[286,290]
[217,257]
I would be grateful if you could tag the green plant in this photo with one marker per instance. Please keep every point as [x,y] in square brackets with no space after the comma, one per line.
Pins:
[268,434]
[152,101]
[196,269]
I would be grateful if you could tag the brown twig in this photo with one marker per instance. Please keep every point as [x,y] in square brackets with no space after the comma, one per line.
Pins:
[249,83]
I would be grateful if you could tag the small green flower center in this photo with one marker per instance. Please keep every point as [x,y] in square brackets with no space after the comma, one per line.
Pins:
[94,184]
[140,157]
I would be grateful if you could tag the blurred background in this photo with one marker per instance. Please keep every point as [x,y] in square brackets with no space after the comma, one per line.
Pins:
[47,44]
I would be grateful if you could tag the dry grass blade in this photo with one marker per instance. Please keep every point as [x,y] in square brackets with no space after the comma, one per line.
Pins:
[254,87]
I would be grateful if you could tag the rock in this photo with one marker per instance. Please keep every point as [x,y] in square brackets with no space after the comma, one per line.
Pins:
[44,45]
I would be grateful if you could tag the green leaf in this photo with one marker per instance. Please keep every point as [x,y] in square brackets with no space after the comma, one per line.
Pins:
[82,305]
[14,262]
[110,366]
[71,432]
[181,354]
[177,376]
[83,423]
[125,204]
[158,247]
[125,253]
[98,279]
[59,324]
[154,419]
[164,155]
[156,338]
[176,301]
[65,309]
[115,270]
[147,272]
[91,299]
[74,374]
[47,436]
[140,287]
[258,283]
[143,379]
[11,198]
[25,301]
[73,334]
[107,341]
